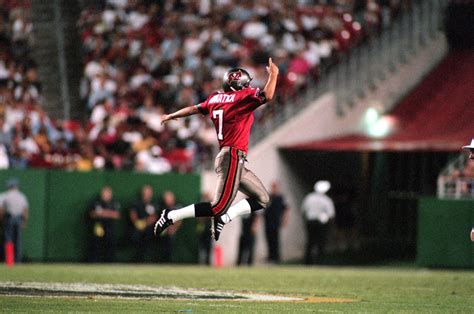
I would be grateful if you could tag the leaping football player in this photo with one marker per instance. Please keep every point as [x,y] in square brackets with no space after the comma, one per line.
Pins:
[231,111]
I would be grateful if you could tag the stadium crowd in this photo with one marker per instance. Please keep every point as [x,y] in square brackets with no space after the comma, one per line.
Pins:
[144,58]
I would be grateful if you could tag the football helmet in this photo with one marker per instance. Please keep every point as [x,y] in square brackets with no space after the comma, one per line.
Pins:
[236,79]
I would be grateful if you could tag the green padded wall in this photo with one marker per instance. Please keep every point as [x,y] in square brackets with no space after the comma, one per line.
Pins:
[58,230]
[443,233]
[68,197]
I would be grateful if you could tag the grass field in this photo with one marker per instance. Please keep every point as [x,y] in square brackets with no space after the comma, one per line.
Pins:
[373,289]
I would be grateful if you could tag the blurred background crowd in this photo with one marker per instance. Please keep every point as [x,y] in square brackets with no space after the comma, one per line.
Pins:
[144,58]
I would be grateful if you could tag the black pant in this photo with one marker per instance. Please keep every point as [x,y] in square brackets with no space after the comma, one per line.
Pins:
[165,248]
[103,248]
[246,245]
[13,233]
[272,233]
[142,241]
[205,245]
[316,241]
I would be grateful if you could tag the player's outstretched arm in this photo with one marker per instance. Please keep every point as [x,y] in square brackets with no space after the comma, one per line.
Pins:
[187,111]
[269,88]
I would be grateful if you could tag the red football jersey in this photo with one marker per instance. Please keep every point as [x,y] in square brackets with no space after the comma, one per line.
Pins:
[232,115]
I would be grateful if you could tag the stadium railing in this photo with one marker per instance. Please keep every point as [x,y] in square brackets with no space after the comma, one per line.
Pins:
[369,63]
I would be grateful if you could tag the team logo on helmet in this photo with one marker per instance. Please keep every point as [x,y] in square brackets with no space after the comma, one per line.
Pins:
[236,79]
[233,76]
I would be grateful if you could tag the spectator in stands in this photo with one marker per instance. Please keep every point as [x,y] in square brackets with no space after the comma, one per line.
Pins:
[151,161]
[143,215]
[166,240]
[276,216]
[140,59]
[14,211]
[318,210]
[247,239]
[142,55]
[103,214]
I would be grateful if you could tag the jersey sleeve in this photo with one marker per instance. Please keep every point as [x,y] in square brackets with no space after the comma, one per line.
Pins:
[203,107]
[253,98]
[257,95]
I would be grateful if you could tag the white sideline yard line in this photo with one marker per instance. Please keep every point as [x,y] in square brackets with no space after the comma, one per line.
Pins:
[133,291]
[123,291]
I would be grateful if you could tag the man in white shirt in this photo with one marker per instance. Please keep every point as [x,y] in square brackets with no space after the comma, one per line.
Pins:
[471,156]
[14,211]
[470,148]
[318,210]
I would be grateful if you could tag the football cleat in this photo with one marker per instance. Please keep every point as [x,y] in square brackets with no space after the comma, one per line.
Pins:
[216,227]
[162,223]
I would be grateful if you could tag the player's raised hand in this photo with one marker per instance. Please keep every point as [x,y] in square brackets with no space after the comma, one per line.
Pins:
[272,69]
[165,118]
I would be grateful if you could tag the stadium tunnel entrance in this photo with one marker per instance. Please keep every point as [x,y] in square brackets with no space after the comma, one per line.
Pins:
[376,196]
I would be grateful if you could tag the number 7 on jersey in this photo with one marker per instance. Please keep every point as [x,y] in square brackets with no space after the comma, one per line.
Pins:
[219,114]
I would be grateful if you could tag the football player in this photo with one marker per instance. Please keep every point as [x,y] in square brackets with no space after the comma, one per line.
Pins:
[231,111]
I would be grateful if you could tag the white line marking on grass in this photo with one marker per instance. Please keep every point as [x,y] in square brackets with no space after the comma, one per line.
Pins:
[92,290]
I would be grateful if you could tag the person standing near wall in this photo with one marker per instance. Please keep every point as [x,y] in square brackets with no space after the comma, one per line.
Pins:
[14,209]
[470,148]
[247,238]
[167,238]
[318,210]
[276,216]
[203,230]
[143,215]
[103,213]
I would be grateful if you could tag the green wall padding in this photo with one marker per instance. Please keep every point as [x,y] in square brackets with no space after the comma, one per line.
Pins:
[443,233]
[69,196]
[58,230]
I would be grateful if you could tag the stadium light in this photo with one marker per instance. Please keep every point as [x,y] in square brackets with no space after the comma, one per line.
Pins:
[371,116]
[376,124]
[382,127]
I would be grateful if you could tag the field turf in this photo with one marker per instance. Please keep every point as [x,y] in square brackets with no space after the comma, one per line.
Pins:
[374,289]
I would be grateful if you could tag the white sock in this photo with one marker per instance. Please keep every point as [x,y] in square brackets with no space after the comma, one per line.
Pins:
[239,209]
[180,214]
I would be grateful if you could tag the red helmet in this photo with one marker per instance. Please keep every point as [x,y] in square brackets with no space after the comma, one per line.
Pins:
[236,79]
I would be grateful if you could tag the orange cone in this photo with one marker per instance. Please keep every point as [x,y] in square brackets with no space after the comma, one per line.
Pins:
[218,258]
[9,254]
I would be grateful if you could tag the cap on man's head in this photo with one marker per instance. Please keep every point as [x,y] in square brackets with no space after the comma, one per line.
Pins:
[12,183]
[322,186]
[469,146]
